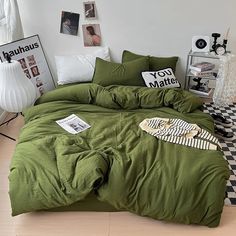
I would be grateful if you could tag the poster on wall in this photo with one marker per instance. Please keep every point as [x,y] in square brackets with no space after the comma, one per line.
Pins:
[69,23]
[29,53]
[92,35]
[90,12]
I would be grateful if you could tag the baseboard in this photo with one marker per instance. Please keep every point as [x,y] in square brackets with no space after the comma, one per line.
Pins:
[3,116]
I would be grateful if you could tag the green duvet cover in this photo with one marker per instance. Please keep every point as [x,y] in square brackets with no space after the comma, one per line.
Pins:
[123,165]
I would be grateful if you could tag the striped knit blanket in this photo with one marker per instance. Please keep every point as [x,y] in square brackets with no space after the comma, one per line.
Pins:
[180,132]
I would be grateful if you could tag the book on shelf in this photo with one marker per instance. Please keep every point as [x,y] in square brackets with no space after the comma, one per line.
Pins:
[204,93]
[202,66]
[207,73]
[200,87]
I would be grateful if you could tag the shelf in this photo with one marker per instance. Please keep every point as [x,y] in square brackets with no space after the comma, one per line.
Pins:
[211,55]
[194,57]
[203,77]
[212,77]
[210,96]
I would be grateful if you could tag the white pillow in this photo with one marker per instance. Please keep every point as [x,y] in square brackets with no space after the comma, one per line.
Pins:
[160,79]
[78,68]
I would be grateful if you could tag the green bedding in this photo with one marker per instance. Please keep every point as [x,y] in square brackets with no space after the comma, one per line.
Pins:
[124,166]
[90,203]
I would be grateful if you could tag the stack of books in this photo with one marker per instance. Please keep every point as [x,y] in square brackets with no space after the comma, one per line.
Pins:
[202,70]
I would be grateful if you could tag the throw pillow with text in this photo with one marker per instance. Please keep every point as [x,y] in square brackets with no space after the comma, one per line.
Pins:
[160,79]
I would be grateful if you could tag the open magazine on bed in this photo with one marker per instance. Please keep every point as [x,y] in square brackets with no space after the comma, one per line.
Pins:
[73,124]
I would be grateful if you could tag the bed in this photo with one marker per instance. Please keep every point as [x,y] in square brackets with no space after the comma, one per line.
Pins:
[114,165]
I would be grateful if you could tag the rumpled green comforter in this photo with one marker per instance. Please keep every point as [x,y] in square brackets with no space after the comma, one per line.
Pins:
[124,166]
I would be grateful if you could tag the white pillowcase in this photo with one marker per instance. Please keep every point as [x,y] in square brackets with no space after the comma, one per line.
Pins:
[160,79]
[78,68]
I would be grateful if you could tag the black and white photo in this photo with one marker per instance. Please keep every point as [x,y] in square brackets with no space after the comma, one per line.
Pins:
[27,73]
[69,23]
[35,71]
[23,63]
[31,60]
[90,10]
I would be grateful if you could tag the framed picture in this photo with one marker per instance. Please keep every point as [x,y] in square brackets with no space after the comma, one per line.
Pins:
[92,35]
[90,11]
[29,53]
[69,23]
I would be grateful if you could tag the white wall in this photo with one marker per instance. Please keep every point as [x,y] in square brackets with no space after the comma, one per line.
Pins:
[157,27]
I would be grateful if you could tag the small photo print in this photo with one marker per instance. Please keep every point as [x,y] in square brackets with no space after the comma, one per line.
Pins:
[38,82]
[31,60]
[23,63]
[92,35]
[27,73]
[69,23]
[35,71]
[77,127]
[90,10]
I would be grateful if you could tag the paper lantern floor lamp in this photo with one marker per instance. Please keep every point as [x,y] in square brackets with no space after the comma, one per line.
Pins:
[16,90]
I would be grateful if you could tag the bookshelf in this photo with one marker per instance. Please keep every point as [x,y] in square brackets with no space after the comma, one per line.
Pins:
[190,78]
[194,57]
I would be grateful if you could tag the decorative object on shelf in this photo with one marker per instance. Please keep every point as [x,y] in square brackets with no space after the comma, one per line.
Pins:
[225,89]
[201,87]
[220,49]
[16,90]
[215,37]
[200,44]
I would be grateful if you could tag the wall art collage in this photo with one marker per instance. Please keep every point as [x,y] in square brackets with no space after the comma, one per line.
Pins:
[91,32]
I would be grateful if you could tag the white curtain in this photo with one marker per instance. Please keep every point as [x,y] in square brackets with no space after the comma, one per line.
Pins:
[10,22]
[225,91]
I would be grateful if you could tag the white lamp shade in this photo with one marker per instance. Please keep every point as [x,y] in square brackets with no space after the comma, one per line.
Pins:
[16,90]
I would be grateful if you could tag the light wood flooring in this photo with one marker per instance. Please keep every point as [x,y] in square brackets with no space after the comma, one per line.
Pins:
[88,223]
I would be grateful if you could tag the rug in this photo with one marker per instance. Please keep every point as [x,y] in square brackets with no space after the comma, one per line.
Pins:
[229,148]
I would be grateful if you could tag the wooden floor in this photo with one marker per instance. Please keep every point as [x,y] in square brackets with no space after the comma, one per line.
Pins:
[90,223]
